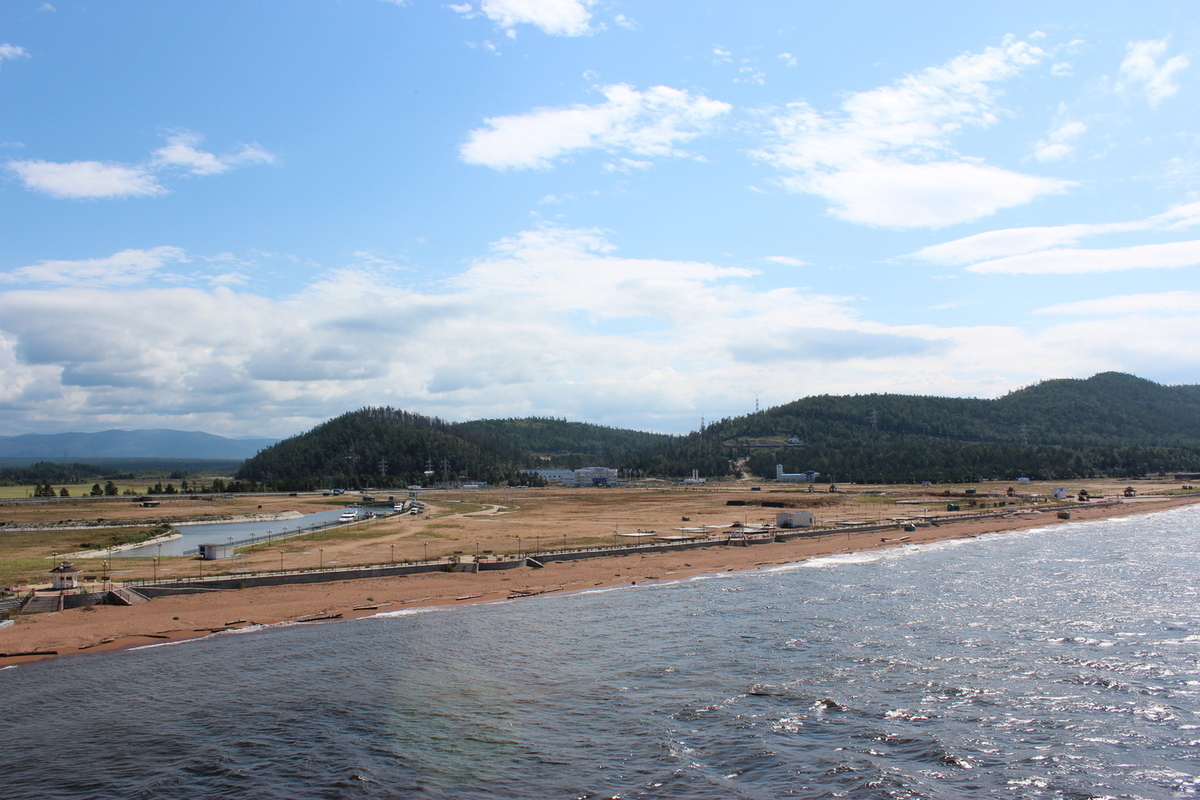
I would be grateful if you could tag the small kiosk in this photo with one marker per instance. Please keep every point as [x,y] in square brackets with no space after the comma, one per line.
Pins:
[66,576]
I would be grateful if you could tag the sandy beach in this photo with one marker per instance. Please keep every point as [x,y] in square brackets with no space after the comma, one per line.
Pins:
[83,631]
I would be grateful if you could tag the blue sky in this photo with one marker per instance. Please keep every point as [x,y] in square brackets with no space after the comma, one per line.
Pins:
[247,218]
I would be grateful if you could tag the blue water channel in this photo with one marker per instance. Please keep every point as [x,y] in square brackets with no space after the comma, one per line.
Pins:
[221,532]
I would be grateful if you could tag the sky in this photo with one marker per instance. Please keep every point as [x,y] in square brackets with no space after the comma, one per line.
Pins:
[249,217]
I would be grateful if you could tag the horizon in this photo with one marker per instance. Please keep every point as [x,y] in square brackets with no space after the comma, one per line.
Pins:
[245,220]
[277,439]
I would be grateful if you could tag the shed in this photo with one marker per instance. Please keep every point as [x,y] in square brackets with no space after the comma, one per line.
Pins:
[213,552]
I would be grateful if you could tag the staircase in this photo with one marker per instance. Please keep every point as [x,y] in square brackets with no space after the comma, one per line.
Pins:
[126,597]
[42,604]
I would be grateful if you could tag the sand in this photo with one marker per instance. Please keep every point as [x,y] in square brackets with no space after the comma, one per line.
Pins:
[84,631]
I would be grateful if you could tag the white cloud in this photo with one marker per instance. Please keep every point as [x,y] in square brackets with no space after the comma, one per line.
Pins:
[1140,71]
[552,321]
[1077,261]
[788,59]
[885,157]
[120,269]
[180,151]
[78,180]
[11,52]
[1159,303]
[554,17]
[1019,241]
[650,123]
[787,261]
[1059,142]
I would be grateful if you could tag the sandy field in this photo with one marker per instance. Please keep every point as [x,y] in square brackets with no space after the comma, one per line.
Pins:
[525,520]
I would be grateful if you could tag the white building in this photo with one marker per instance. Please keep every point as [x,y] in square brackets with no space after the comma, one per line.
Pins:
[795,477]
[794,519]
[596,476]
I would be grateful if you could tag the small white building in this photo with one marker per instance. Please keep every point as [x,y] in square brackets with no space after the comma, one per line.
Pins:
[794,519]
[213,552]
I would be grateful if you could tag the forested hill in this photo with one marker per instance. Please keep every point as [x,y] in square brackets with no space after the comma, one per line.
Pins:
[558,441]
[1107,409]
[385,447]
[1111,423]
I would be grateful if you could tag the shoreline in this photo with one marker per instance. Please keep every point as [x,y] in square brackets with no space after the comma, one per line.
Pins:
[166,619]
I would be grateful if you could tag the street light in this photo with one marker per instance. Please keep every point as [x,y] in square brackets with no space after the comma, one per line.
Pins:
[393,553]
[426,546]
[281,560]
[156,569]
[321,556]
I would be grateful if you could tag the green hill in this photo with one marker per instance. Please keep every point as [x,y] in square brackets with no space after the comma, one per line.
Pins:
[1110,424]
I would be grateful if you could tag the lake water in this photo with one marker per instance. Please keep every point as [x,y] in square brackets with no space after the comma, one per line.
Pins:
[220,532]
[1056,663]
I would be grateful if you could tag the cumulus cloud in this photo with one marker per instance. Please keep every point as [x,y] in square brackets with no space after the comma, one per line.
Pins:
[120,269]
[1141,71]
[786,261]
[884,158]
[86,180]
[550,320]
[652,123]
[554,17]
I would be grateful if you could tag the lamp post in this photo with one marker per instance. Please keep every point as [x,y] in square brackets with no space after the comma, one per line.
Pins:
[281,560]
[537,544]
[156,569]
[520,549]
[393,553]
[321,557]
[426,546]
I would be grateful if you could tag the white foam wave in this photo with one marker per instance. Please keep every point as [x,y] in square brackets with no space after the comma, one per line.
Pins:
[406,612]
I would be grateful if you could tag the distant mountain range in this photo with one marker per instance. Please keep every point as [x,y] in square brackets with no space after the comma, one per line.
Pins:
[160,443]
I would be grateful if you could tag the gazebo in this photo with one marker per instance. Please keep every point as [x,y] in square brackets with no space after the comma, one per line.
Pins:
[65,576]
